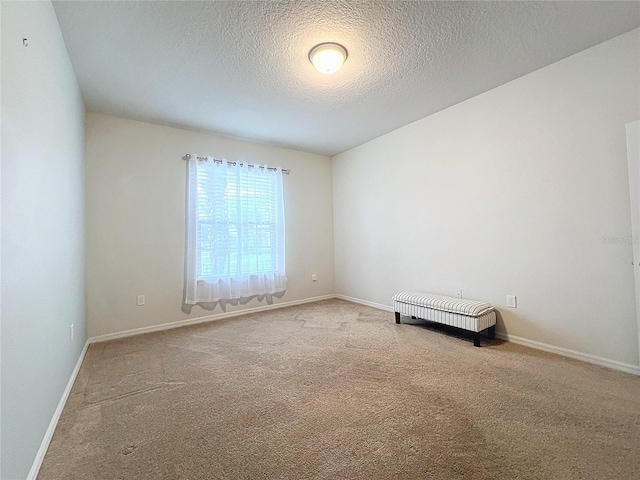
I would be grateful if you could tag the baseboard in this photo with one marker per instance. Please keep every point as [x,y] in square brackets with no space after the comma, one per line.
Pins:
[379,306]
[204,319]
[565,352]
[37,463]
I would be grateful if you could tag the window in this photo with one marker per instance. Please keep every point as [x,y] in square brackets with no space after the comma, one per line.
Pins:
[235,231]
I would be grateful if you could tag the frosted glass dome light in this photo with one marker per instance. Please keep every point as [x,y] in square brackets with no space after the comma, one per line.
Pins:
[328,57]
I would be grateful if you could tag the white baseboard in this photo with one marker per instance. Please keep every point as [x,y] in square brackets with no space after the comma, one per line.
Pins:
[37,463]
[379,306]
[204,319]
[585,357]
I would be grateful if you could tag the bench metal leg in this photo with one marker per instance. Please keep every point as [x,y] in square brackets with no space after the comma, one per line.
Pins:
[476,339]
[397,317]
[492,332]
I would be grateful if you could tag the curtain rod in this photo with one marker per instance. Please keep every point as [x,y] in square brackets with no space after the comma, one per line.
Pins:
[286,171]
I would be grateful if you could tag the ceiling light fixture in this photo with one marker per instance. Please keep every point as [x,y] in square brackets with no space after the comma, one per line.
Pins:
[328,57]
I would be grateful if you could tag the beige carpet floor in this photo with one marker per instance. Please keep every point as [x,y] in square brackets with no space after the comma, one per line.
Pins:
[335,390]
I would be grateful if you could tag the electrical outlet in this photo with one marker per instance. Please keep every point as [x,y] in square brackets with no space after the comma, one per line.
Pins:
[140,300]
[511,301]
[459,293]
[71,332]
[314,277]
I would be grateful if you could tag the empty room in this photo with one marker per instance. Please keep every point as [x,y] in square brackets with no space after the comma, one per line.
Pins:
[320,240]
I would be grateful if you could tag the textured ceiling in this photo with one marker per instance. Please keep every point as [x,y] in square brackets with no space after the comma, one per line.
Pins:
[241,68]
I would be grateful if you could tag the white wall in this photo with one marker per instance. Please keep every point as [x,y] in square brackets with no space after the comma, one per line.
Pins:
[43,290]
[516,191]
[136,217]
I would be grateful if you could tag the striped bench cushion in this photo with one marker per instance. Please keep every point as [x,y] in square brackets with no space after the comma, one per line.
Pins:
[443,303]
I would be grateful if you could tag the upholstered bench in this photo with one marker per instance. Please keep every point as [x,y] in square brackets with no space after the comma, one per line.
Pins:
[456,312]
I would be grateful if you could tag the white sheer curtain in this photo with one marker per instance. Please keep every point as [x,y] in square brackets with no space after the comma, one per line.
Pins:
[235,231]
